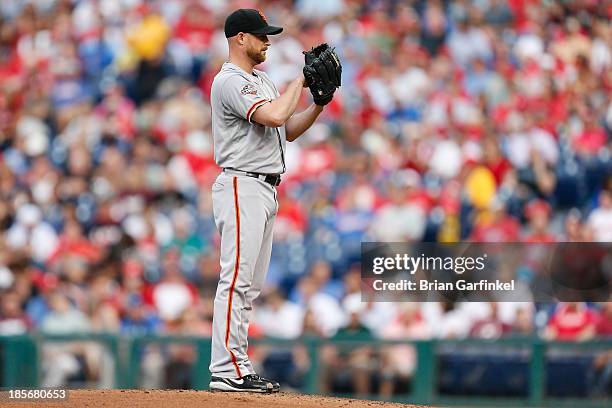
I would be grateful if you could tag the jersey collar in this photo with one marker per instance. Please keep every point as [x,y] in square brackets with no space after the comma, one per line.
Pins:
[235,67]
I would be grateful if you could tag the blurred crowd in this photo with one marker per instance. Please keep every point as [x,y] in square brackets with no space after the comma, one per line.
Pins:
[482,120]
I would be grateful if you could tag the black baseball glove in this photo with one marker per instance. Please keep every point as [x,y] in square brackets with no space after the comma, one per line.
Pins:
[323,73]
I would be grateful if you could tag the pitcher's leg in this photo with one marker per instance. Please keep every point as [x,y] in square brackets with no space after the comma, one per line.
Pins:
[259,276]
[223,360]
[241,227]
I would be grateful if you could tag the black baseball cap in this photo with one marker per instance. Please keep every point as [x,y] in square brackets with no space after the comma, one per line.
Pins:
[249,21]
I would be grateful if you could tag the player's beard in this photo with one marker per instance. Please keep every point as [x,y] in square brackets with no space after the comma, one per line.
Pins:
[256,56]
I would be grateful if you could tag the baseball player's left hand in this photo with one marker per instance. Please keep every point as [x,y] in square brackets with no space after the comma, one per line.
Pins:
[322,73]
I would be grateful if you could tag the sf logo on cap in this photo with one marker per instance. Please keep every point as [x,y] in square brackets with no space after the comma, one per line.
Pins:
[262,16]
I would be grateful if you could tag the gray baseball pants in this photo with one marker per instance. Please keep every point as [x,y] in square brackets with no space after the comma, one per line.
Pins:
[244,209]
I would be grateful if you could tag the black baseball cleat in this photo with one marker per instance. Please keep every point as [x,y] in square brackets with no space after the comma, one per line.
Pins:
[248,383]
[275,385]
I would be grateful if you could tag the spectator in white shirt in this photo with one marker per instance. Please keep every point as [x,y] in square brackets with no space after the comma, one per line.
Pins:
[279,317]
[600,220]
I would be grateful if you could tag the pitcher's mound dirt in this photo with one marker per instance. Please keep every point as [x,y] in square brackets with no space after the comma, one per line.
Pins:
[188,399]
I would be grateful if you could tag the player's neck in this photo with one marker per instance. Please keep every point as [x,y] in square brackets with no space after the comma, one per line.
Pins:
[243,62]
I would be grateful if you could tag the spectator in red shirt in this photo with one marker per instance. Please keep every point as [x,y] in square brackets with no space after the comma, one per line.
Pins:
[604,324]
[491,327]
[291,218]
[195,28]
[73,243]
[589,137]
[538,214]
[496,226]
[494,160]
[571,321]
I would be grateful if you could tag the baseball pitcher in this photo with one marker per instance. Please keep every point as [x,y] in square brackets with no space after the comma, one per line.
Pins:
[251,123]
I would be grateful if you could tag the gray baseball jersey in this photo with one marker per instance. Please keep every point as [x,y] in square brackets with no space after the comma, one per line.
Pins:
[239,142]
[244,209]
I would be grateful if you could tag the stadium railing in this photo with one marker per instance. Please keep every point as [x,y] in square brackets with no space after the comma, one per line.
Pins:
[20,363]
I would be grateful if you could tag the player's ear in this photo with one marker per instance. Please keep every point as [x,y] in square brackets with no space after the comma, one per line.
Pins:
[241,38]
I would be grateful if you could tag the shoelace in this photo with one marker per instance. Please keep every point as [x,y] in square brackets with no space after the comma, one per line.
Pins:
[258,377]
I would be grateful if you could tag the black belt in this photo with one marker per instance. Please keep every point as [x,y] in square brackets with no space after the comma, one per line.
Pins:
[272,179]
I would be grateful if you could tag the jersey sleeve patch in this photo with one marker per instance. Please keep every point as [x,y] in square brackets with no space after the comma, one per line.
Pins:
[241,97]
[249,89]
